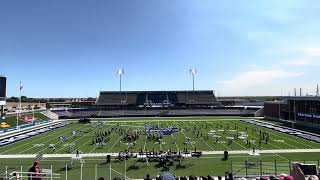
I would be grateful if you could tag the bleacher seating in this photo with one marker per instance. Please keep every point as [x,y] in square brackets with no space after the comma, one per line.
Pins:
[182,97]
[197,97]
[156,97]
[116,98]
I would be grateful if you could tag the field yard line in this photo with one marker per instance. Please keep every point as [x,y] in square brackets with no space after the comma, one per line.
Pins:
[275,133]
[225,136]
[175,142]
[161,141]
[145,141]
[202,139]
[116,141]
[58,141]
[95,147]
[134,130]
[185,136]
[32,140]
[237,143]
[79,138]
[50,140]
[223,143]
[256,137]
[292,140]
[46,136]
[268,143]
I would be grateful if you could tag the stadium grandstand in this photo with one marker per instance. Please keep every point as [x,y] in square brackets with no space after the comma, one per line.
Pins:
[153,104]
[157,98]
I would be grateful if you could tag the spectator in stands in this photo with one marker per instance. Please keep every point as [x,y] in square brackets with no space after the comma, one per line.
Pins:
[272,177]
[167,176]
[313,177]
[286,178]
[210,177]
[35,171]
[116,178]
[147,177]
[264,178]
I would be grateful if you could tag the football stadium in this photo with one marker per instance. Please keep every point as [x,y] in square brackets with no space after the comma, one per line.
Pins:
[159,90]
[134,134]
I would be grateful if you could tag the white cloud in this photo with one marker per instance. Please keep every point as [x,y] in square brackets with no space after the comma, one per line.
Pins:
[254,78]
[309,51]
[258,83]
[299,62]
[302,51]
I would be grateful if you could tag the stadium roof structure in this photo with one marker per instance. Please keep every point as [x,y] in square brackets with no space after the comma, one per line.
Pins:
[146,98]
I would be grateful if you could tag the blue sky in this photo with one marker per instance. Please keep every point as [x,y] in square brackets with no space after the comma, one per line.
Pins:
[73,48]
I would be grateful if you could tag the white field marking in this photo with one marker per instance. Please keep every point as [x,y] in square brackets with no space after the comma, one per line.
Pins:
[256,137]
[145,141]
[111,125]
[117,141]
[281,151]
[202,139]
[222,135]
[88,134]
[44,142]
[186,137]
[33,141]
[95,147]
[129,144]
[57,141]
[161,139]
[271,143]
[175,142]
[297,138]
[284,137]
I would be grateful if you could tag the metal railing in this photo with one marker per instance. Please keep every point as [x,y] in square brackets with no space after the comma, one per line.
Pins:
[264,168]
[94,170]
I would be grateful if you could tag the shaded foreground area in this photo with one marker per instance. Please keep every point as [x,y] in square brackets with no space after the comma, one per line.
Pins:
[207,165]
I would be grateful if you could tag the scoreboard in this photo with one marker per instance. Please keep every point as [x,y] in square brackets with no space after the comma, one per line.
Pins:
[3,86]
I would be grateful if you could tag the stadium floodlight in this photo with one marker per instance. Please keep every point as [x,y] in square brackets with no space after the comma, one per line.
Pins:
[193,72]
[120,72]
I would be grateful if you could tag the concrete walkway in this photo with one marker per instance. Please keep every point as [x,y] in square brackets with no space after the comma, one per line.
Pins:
[16,156]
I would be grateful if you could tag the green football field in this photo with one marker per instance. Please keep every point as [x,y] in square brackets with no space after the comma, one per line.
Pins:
[203,134]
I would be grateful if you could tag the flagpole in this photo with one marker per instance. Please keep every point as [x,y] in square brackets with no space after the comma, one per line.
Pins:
[20,100]
[17,119]
[32,114]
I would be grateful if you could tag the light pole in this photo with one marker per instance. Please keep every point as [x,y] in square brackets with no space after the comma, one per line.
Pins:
[193,72]
[120,72]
